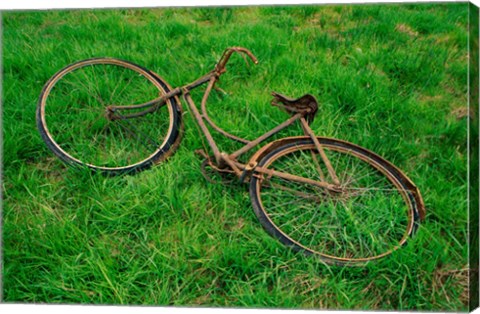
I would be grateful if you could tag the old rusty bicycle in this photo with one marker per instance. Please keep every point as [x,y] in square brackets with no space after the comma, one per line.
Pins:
[317,195]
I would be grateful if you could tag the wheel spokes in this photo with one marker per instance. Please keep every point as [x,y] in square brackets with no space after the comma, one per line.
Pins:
[75,110]
[367,218]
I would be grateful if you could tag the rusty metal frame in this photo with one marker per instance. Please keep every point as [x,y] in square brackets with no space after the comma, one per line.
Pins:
[225,162]
[201,116]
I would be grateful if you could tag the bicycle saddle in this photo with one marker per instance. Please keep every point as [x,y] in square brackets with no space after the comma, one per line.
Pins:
[306,104]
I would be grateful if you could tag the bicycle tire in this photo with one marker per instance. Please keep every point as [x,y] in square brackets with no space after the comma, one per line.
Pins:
[71,117]
[340,231]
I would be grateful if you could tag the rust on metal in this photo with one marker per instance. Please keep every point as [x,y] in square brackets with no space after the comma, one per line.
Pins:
[319,147]
[302,109]
[263,137]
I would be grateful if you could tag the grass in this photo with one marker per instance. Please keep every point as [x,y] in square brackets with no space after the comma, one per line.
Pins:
[391,78]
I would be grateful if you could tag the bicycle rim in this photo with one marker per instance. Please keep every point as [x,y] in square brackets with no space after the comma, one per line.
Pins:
[373,215]
[72,116]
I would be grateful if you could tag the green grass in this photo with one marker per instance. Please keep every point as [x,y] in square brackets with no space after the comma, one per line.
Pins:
[391,78]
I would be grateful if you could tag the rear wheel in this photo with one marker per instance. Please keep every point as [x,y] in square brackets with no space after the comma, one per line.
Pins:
[72,120]
[373,215]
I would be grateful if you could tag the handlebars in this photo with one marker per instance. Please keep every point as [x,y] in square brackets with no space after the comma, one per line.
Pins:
[220,67]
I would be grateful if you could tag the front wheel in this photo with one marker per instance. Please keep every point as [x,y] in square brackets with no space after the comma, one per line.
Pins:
[73,120]
[373,214]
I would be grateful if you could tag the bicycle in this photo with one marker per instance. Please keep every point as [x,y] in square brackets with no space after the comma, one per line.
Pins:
[317,195]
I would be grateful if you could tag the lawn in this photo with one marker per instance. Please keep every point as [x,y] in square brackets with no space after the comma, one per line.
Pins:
[391,78]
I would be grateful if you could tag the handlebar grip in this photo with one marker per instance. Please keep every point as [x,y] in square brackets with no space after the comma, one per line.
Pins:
[248,53]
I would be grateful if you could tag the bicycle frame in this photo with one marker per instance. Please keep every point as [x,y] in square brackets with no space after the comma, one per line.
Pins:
[223,159]
[295,192]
